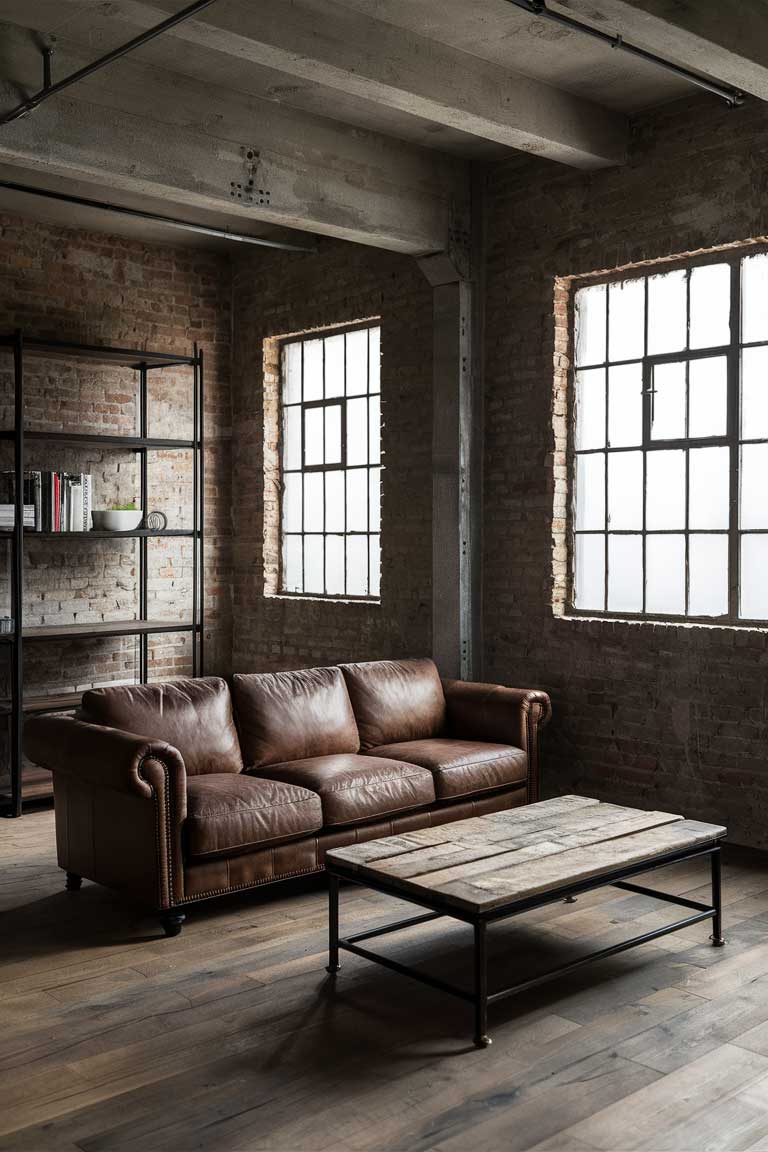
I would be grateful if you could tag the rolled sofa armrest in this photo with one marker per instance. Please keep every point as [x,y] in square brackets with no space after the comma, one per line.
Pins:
[121,801]
[499,715]
[107,758]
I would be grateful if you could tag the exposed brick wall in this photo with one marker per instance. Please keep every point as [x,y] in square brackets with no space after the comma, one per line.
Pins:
[659,715]
[278,294]
[102,289]
[668,716]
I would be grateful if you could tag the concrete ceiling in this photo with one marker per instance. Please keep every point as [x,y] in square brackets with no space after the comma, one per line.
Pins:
[353,118]
[503,34]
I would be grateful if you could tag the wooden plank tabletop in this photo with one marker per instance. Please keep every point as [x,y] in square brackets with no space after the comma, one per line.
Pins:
[488,861]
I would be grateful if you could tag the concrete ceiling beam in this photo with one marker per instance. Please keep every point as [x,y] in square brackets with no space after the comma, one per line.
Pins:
[327,43]
[727,41]
[141,129]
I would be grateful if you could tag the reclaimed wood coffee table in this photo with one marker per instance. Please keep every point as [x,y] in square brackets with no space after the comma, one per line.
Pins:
[488,868]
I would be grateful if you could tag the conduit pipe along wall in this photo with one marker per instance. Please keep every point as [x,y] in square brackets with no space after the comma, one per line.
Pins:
[731,96]
[154,217]
[48,90]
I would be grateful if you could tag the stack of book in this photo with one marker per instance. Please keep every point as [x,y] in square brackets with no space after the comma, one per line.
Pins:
[8,518]
[53,501]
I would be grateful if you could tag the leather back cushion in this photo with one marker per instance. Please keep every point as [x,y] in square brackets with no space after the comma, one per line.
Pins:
[293,715]
[194,716]
[395,700]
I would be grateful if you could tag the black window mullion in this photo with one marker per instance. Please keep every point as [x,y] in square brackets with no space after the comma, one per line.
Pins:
[645,436]
[688,354]
[688,309]
[687,536]
[648,387]
[734,435]
[325,414]
[367,469]
[303,463]
[606,456]
[668,531]
[644,537]
[687,529]
[345,537]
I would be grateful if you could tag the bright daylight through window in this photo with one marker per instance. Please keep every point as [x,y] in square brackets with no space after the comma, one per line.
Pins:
[670,448]
[330,464]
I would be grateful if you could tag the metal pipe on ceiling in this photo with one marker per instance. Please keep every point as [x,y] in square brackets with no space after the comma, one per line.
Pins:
[154,217]
[732,96]
[49,89]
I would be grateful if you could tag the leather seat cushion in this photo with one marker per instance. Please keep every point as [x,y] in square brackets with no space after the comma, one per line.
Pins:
[357,788]
[194,716]
[293,715]
[228,814]
[461,767]
[395,700]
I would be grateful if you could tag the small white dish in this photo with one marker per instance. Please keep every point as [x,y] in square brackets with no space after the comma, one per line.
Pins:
[108,520]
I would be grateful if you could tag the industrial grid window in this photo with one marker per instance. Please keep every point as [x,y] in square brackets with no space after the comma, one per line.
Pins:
[669,455]
[330,455]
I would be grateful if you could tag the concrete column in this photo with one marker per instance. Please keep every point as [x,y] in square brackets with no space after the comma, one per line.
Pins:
[455,583]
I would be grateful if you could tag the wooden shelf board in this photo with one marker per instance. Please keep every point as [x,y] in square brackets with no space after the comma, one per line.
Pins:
[123,357]
[99,534]
[133,443]
[100,628]
[36,784]
[38,704]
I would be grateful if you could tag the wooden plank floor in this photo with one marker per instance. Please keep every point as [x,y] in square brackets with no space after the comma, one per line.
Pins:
[231,1037]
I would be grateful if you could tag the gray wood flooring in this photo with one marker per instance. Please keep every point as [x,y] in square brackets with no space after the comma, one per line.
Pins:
[232,1037]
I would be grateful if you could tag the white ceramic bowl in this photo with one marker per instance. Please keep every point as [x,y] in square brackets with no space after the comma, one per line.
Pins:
[112,521]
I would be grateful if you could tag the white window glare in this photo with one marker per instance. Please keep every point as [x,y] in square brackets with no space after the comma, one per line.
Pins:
[330,458]
[669,410]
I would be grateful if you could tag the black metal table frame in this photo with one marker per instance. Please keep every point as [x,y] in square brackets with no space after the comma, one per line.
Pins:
[480,997]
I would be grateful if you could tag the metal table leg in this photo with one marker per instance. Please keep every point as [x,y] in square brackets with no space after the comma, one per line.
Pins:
[482,1039]
[333,924]
[479,996]
[717,937]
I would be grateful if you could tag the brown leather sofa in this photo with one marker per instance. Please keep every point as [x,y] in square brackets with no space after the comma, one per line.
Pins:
[181,791]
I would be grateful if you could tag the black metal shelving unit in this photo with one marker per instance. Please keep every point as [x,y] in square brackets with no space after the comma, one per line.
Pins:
[142,362]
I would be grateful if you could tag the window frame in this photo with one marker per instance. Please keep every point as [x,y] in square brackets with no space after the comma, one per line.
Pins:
[341,465]
[732,352]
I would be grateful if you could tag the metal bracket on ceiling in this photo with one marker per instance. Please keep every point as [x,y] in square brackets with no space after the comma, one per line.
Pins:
[47,51]
[246,190]
[439,269]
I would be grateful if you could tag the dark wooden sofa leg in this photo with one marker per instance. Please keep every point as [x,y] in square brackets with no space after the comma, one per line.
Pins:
[73,882]
[172,922]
